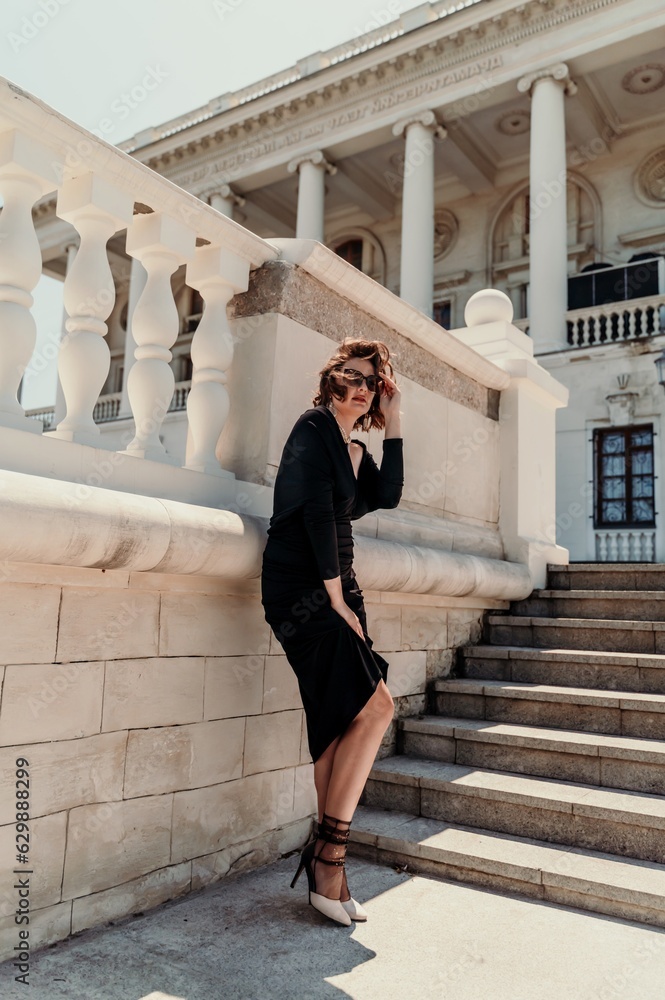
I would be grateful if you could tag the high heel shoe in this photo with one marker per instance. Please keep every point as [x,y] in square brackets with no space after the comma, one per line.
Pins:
[331,908]
[351,905]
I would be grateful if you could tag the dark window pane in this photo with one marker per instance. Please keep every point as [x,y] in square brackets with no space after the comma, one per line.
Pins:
[614,488]
[614,511]
[642,437]
[613,444]
[352,251]
[643,510]
[642,486]
[642,462]
[624,477]
[614,465]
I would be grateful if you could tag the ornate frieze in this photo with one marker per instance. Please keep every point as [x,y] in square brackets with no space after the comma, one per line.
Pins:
[362,97]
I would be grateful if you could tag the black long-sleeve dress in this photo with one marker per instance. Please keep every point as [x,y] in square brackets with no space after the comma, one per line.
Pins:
[316,497]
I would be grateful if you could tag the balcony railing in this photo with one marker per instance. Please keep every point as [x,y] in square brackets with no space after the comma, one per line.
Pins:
[616,321]
[612,323]
[626,545]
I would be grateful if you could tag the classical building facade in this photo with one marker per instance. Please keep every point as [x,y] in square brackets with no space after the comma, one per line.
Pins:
[517,145]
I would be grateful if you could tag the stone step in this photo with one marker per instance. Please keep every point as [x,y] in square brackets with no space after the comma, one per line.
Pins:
[645,605]
[611,820]
[591,880]
[627,636]
[620,713]
[626,762]
[567,667]
[607,576]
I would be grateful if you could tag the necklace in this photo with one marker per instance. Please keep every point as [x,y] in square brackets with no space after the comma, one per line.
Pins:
[347,437]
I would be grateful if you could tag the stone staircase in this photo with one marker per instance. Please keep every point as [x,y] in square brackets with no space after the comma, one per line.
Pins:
[543,770]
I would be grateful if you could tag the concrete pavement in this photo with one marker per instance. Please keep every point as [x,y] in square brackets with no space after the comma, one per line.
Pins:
[253,938]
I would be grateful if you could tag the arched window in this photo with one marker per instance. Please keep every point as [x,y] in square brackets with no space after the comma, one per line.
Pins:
[510,236]
[362,249]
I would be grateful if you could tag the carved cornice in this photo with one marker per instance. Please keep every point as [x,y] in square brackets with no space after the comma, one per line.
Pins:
[361,96]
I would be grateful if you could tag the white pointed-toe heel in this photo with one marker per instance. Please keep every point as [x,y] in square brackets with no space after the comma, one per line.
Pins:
[354,909]
[331,908]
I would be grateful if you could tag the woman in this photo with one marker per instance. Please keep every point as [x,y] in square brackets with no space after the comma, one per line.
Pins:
[313,603]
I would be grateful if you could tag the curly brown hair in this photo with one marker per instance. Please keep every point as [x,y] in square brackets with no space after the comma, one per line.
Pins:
[370,350]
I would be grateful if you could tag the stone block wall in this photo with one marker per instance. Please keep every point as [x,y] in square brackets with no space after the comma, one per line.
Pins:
[164,734]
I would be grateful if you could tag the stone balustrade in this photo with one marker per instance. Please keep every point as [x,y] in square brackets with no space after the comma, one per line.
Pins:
[612,323]
[625,545]
[615,322]
[101,191]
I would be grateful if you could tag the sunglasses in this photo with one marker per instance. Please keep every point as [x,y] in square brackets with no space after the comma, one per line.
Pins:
[354,379]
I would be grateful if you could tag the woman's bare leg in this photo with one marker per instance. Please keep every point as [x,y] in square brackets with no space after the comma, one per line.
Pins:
[322,772]
[352,761]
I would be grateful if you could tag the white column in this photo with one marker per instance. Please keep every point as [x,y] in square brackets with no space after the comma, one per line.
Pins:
[225,200]
[417,255]
[161,244]
[97,210]
[548,232]
[311,169]
[28,170]
[60,407]
[137,280]
[218,275]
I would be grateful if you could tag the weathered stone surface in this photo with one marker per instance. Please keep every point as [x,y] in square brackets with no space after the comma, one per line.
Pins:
[47,925]
[175,757]
[407,673]
[25,602]
[87,770]
[424,628]
[233,686]
[282,288]
[280,691]
[384,626]
[107,624]
[272,742]
[206,820]
[528,760]
[225,626]
[250,854]
[114,842]
[164,691]
[464,626]
[47,852]
[131,897]
[50,702]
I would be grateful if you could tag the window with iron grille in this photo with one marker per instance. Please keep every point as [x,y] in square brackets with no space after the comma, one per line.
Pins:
[624,487]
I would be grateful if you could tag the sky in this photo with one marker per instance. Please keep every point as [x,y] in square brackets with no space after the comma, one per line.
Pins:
[87,57]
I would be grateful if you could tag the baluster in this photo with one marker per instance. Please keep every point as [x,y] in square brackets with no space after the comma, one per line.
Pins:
[601,546]
[631,316]
[28,171]
[97,211]
[624,546]
[612,547]
[218,275]
[161,244]
[586,330]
